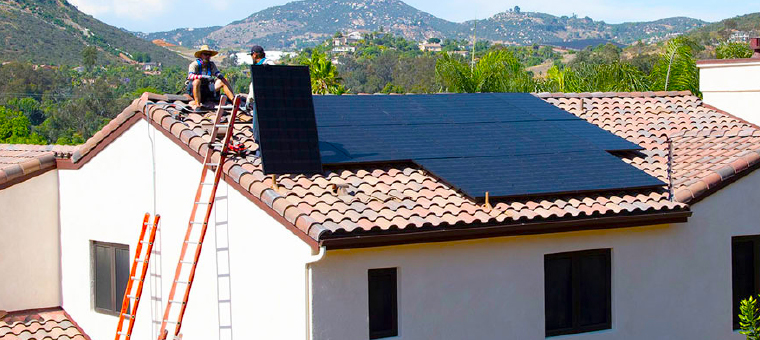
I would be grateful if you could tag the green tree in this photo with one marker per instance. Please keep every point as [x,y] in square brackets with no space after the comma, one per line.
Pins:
[324,75]
[15,128]
[749,318]
[89,56]
[434,40]
[676,69]
[615,77]
[497,71]
[733,50]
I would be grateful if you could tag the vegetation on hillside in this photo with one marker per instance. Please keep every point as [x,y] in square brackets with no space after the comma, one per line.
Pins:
[54,32]
[63,105]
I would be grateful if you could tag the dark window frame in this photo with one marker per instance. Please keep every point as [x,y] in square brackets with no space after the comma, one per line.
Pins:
[575,256]
[736,300]
[381,273]
[112,284]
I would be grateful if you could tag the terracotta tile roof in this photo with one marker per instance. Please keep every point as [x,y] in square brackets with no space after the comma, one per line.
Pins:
[396,198]
[20,160]
[709,146]
[48,324]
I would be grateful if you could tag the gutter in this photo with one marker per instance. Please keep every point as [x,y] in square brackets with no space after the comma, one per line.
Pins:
[457,233]
[308,287]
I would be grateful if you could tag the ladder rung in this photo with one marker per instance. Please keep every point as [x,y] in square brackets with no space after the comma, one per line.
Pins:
[122,333]
[192,242]
[139,260]
[221,197]
[223,249]
[134,278]
[202,203]
[225,327]
[175,301]
[216,144]
[212,183]
[133,297]
[174,322]
[225,301]
[146,242]
[182,282]
[127,316]
[212,164]
[197,222]
[223,275]
[187,262]
[221,125]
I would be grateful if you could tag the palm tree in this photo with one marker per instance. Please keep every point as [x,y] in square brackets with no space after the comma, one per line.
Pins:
[615,77]
[324,75]
[497,71]
[676,70]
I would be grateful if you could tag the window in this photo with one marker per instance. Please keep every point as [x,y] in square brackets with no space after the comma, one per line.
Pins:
[383,304]
[110,272]
[577,292]
[745,268]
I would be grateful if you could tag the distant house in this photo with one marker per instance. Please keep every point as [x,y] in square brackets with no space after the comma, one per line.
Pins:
[347,39]
[344,49]
[459,53]
[375,250]
[432,47]
[151,66]
[739,36]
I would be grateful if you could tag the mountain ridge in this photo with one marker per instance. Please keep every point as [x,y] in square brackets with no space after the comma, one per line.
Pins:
[307,22]
[55,32]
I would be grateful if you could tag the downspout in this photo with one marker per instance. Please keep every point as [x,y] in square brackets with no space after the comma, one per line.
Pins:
[308,286]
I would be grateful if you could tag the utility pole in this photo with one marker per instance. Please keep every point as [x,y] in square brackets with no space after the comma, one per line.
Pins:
[474,41]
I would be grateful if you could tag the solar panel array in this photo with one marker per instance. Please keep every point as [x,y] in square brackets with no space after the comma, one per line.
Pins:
[508,144]
[286,127]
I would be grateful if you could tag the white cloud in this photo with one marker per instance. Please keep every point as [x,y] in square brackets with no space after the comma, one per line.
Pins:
[138,10]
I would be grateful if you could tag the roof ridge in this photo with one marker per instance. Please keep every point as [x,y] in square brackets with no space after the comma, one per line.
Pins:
[647,94]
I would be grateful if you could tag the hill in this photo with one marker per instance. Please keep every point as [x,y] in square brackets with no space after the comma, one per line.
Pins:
[736,28]
[182,36]
[309,22]
[55,32]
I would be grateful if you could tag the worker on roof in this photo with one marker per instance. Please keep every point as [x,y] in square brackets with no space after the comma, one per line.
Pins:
[204,80]
[259,57]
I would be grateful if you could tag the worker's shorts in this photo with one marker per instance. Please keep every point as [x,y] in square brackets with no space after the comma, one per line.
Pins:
[207,91]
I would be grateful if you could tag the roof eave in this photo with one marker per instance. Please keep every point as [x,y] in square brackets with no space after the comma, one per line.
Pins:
[348,241]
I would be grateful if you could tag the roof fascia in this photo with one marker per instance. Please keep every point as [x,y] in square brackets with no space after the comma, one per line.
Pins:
[459,234]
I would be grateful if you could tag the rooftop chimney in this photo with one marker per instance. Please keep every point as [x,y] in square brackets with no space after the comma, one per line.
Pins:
[754,44]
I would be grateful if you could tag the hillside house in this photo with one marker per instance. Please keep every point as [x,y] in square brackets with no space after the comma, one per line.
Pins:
[433,47]
[390,250]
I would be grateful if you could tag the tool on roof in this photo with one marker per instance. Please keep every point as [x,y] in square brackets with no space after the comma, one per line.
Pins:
[196,229]
[129,308]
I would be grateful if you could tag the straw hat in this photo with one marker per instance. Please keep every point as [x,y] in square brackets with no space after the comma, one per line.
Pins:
[205,48]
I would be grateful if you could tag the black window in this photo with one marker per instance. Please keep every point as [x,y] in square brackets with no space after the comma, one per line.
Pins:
[745,268]
[383,305]
[110,273]
[577,292]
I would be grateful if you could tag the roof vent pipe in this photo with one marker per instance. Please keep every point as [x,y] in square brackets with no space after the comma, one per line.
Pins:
[754,44]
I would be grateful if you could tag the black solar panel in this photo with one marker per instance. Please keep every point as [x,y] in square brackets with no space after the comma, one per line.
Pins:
[286,125]
[505,143]
[570,172]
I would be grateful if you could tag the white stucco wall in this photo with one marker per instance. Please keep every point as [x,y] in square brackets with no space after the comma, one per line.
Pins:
[29,252]
[668,281]
[105,201]
[732,87]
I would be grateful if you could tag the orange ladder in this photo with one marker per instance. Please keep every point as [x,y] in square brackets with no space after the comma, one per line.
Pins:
[142,259]
[191,248]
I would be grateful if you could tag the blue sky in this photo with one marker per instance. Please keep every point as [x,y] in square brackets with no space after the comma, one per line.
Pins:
[164,15]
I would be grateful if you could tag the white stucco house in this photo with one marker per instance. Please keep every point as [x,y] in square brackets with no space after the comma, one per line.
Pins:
[391,251]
